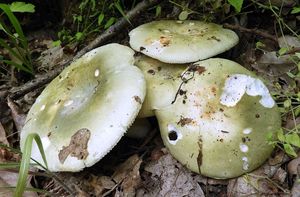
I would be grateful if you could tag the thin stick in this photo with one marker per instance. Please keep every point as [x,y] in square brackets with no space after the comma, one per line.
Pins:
[252,31]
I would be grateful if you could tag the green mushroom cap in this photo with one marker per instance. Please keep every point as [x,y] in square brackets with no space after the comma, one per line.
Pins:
[83,113]
[162,81]
[219,126]
[181,41]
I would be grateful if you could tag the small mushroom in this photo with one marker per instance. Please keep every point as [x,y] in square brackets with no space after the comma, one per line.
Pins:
[162,81]
[219,126]
[181,41]
[83,113]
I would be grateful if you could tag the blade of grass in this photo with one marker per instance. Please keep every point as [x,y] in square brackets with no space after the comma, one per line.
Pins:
[48,173]
[120,9]
[24,167]
[6,46]
[10,165]
[33,190]
[14,150]
[14,21]
[19,66]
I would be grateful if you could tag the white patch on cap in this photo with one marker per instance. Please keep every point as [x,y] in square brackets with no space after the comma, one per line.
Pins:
[171,128]
[245,163]
[69,102]
[244,148]
[247,131]
[43,107]
[97,72]
[237,85]
[166,31]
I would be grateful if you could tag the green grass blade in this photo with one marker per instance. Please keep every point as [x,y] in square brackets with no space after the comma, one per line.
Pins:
[120,9]
[32,190]
[19,66]
[24,167]
[6,46]
[14,21]
[14,150]
[10,165]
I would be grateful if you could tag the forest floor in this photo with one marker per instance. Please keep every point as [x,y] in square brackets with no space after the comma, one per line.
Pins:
[269,46]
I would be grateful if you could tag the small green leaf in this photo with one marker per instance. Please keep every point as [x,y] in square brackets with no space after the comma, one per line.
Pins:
[100,18]
[22,7]
[289,150]
[260,45]
[79,36]
[109,22]
[298,55]
[237,4]
[270,136]
[287,103]
[157,11]
[291,75]
[77,18]
[293,138]
[280,135]
[297,111]
[56,43]
[295,10]
[183,15]
[282,51]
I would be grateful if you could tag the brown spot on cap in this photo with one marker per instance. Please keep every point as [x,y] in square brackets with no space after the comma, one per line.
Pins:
[77,147]
[200,155]
[137,99]
[164,41]
[183,121]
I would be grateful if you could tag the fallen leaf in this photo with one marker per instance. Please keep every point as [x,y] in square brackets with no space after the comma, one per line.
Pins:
[128,175]
[257,183]
[169,178]
[3,138]
[17,114]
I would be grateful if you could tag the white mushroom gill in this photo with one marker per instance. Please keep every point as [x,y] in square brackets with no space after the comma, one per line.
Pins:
[237,85]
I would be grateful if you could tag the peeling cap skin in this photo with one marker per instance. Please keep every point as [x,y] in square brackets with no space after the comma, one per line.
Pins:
[83,113]
[213,136]
[162,81]
[181,41]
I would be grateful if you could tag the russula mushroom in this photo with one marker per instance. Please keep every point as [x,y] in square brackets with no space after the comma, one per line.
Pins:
[83,113]
[219,126]
[181,41]
[162,81]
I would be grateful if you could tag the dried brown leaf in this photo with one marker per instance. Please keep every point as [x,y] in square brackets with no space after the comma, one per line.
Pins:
[169,178]
[128,175]
[17,114]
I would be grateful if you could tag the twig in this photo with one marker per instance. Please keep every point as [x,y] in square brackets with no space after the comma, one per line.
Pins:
[252,31]
[20,91]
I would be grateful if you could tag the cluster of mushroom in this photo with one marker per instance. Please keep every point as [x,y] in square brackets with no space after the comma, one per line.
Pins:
[213,114]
